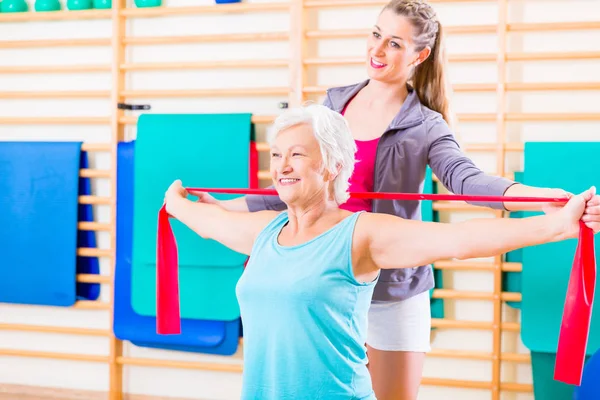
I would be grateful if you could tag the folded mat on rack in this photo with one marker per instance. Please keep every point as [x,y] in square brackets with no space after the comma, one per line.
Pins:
[511,281]
[547,267]
[212,337]
[202,150]
[428,214]
[39,199]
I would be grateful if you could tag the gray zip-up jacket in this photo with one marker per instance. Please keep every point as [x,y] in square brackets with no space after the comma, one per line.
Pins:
[416,137]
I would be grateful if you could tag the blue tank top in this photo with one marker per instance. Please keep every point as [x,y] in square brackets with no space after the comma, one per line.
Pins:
[304,317]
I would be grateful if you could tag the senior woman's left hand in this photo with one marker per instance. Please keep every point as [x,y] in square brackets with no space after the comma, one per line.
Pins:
[591,215]
[174,193]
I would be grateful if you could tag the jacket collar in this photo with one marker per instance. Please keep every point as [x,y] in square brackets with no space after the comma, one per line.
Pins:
[410,113]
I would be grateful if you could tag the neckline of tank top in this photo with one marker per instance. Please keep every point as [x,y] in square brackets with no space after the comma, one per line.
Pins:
[322,234]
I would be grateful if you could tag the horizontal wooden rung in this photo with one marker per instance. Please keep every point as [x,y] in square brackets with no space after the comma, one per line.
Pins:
[55,329]
[255,119]
[97,200]
[512,267]
[553,117]
[469,295]
[54,120]
[455,383]
[228,37]
[91,305]
[46,43]
[52,355]
[147,362]
[95,147]
[63,15]
[511,296]
[516,387]
[204,65]
[92,278]
[94,173]
[444,323]
[281,91]
[461,354]
[54,69]
[93,226]
[264,175]
[552,26]
[478,355]
[456,265]
[93,252]
[552,56]
[516,358]
[59,94]
[209,9]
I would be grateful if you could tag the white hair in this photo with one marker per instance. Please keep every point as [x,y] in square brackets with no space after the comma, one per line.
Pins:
[335,141]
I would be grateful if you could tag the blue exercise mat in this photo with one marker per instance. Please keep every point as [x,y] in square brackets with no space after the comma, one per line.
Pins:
[202,336]
[39,189]
[590,383]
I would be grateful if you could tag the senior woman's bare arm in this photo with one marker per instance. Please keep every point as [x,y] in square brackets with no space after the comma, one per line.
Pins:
[233,229]
[391,242]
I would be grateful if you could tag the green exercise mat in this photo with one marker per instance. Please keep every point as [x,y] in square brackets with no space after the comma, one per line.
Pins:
[428,214]
[203,150]
[572,166]
[511,281]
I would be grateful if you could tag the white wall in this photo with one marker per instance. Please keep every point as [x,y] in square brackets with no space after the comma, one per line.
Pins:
[214,385]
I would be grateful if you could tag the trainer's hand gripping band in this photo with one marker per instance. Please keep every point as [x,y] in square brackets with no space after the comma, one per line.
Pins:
[574,330]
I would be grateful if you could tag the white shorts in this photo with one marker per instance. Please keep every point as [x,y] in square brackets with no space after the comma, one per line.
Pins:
[402,325]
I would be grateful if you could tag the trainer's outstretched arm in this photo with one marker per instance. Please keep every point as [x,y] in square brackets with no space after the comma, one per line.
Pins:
[398,243]
[236,230]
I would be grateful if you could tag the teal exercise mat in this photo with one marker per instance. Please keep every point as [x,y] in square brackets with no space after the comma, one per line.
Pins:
[428,214]
[544,385]
[202,150]
[572,166]
[511,281]
[39,207]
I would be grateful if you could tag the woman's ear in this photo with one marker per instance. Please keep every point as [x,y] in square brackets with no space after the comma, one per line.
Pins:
[329,176]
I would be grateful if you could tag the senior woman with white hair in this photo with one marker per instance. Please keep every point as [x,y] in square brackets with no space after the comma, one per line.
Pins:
[305,294]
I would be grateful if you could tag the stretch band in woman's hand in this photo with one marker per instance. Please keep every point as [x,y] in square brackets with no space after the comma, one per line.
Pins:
[574,331]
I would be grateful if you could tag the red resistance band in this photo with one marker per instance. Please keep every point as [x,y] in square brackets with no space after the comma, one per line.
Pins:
[574,330]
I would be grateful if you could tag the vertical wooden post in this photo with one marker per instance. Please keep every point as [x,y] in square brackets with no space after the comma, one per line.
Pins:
[297,52]
[117,135]
[500,168]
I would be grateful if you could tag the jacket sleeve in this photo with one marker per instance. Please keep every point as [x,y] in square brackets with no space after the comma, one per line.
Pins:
[456,171]
[260,203]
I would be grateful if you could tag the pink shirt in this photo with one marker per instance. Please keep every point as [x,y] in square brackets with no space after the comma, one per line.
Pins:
[362,177]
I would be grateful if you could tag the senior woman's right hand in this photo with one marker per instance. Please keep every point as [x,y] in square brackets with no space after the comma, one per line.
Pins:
[204,197]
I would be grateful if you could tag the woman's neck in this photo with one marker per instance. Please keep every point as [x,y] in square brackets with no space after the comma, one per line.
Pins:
[382,93]
[305,217]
